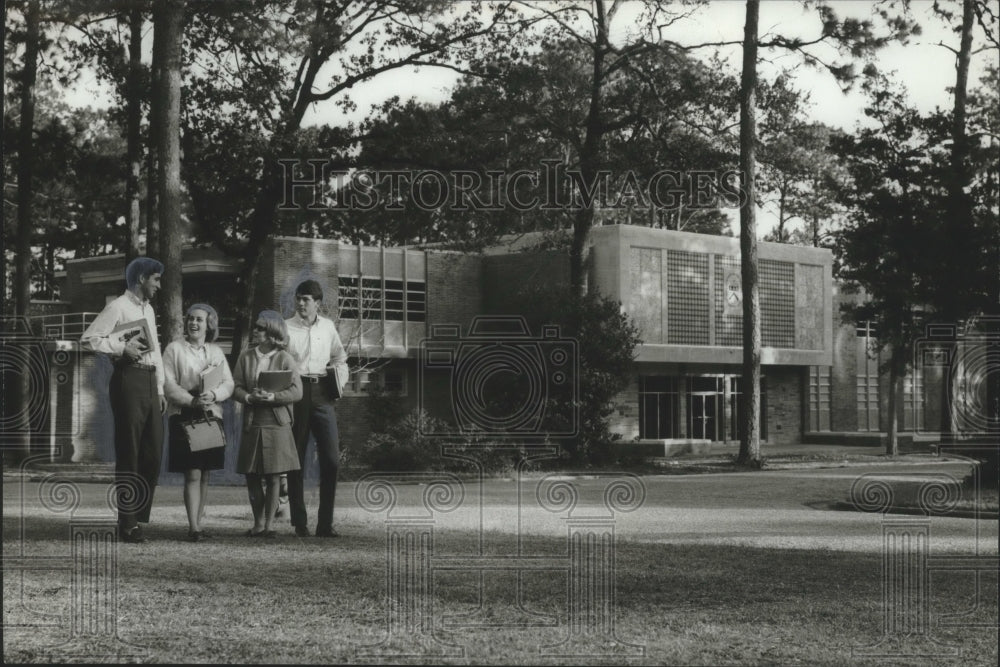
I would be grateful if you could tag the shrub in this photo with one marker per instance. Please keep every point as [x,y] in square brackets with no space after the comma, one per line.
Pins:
[606,342]
[401,446]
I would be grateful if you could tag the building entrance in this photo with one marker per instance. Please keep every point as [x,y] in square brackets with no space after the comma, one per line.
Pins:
[703,407]
[705,401]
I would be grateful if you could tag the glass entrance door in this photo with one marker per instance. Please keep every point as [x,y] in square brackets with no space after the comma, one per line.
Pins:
[704,416]
[704,407]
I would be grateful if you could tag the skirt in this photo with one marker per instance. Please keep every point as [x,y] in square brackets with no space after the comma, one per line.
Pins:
[180,457]
[267,448]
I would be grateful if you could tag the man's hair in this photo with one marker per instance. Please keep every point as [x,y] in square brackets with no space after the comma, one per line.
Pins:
[309,288]
[274,328]
[140,268]
[211,321]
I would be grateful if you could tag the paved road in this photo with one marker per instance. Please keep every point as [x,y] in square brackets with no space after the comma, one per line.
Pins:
[777,509]
[784,509]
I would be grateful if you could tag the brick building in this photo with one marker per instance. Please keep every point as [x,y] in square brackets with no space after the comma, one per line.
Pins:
[820,383]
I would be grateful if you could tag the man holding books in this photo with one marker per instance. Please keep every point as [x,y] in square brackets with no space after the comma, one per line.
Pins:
[126,331]
[322,361]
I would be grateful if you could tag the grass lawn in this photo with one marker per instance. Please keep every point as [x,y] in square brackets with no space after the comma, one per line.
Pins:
[683,601]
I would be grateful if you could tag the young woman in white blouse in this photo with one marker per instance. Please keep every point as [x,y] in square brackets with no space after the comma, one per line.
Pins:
[184,362]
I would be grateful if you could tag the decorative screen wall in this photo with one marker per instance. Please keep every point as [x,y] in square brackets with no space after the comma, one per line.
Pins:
[687,298]
[777,303]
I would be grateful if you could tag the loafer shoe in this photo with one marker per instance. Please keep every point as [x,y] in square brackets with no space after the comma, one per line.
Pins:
[326,532]
[132,536]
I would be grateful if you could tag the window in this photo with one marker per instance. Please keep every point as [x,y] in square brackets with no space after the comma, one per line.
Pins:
[347,297]
[866,329]
[394,300]
[373,297]
[658,406]
[867,377]
[416,301]
[913,394]
[819,398]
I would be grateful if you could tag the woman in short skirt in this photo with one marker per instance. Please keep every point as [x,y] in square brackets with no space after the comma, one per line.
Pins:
[184,362]
[267,447]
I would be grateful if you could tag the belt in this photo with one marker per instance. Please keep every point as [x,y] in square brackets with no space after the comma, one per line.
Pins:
[313,379]
[141,367]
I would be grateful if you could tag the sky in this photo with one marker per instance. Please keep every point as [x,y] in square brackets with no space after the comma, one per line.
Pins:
[925,68]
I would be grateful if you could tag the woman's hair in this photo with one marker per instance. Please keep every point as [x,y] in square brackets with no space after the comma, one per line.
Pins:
[274,328]
[211,321]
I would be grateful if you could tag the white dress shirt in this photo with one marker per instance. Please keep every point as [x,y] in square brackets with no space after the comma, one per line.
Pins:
[316,346]
[126,308]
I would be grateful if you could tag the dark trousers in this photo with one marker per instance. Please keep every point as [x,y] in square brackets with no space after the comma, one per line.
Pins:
[314,413]
[135,405]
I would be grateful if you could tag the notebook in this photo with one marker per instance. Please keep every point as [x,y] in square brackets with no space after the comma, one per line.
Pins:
[129,330]
[273,381]
[212,377]
[332,380]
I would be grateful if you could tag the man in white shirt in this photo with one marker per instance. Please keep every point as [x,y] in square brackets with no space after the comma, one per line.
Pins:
[136,392]
[315,345]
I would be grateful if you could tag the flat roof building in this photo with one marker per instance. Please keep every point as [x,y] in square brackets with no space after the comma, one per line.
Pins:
[683,291]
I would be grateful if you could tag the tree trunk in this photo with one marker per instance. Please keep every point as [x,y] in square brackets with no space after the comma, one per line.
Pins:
[152,215]
[25,217]
[750,415]
[955,279]
[261,228]
[589,159]
[133,111]
[152,156]
[781,216]
[960,144]
[168,25]
[26,163]
[895,376]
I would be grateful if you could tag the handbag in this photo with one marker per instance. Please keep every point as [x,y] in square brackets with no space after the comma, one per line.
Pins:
[204,433]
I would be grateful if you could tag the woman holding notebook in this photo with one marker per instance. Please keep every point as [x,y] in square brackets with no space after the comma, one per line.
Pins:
[268,383]
[196,380]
